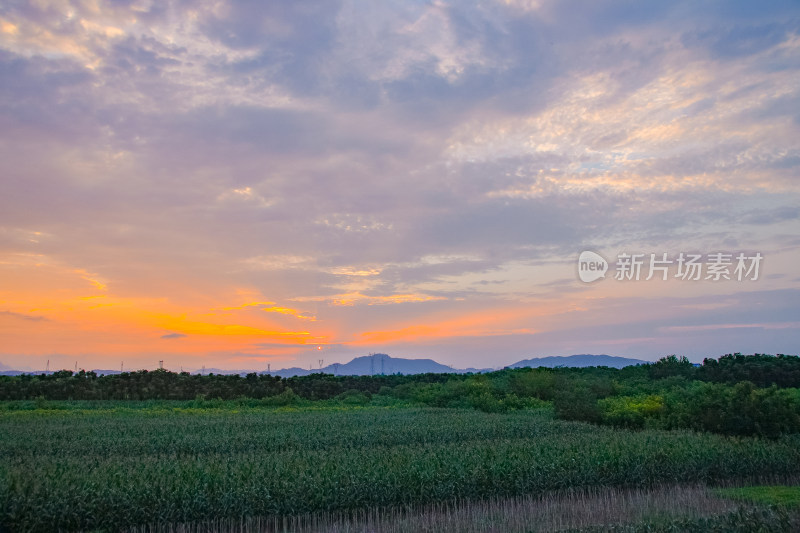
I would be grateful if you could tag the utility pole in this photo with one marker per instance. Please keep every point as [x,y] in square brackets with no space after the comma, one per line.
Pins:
[76,366]
[48,366]
[122,366]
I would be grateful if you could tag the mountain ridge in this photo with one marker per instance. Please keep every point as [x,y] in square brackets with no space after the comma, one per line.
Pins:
[381,363]
[578,361]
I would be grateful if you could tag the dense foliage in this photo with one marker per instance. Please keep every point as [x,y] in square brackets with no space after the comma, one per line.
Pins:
[86,451]
[106,465]
[734,395]
[164,385]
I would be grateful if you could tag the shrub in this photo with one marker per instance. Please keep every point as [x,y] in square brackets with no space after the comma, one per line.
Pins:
[671,366]
[354,397]
[578,403]
[631,411]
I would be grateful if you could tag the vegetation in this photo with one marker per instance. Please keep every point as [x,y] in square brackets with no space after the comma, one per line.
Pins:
[778,495]
[158,462]
[734,395]
[142,449]
[663,508]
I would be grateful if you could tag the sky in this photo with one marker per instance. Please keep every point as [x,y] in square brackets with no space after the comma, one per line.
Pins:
[243,184]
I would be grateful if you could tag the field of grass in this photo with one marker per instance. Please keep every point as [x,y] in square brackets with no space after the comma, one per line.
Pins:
[110,465]
[667,508]
[778,495]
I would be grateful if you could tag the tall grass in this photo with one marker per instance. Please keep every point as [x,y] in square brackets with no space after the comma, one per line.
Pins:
[663,507]
[105,468]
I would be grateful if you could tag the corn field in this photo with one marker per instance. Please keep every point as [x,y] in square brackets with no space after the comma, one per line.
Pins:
[109,468]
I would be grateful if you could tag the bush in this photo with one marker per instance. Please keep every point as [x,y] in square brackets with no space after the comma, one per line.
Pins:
[631,411]
[286,398]
[354,397]
[739,410]
[671,366]
[578,403]
[533,383]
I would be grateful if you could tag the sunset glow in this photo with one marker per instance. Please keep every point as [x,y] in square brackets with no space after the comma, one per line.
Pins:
[233,185]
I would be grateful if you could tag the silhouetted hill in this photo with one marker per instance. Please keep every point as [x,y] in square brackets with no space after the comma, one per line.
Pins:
[579,361]
[376,364]
[381,363]
[289,372]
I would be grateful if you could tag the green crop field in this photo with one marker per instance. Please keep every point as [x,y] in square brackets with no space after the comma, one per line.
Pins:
[106,465]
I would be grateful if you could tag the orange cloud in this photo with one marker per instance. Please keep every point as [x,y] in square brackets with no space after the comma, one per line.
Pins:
[44,309]
[270,307]
[483,323]
[181,325]
[288,311]
[91,278]
[403,334]
[245,306]
[353,298]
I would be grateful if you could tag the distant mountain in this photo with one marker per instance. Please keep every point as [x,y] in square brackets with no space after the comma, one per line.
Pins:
[6,370]
[381,363]
[290,372]
[220,371]
[579,361]
[376,364]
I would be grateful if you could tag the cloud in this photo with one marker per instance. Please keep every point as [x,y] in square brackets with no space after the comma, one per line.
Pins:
[385,164]
[24,316]
[173,336]
[708,327]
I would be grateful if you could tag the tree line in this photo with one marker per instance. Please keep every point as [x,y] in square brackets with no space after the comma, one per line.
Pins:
[735,394]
